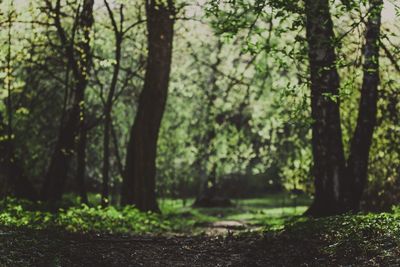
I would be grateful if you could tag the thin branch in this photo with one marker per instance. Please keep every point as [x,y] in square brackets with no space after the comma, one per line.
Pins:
[391,57]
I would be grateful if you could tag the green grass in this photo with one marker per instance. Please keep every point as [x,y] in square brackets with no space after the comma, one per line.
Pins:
[270,211]
[81,218]
[359,239]
[352,237]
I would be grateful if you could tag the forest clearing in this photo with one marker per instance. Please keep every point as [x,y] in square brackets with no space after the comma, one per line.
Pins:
[199,133]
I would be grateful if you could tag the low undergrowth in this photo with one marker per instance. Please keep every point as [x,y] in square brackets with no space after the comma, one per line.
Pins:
[40,240]
[367,239]
[81,218]
[269,212]
[357,229]
[356,240]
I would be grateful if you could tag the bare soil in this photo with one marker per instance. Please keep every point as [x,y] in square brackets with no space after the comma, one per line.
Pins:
[55,248]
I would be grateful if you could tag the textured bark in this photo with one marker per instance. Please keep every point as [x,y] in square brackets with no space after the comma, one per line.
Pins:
[53,186]
[357,165]
[140,169]
[106,160]
[108,106]
[327,147]
[13,181]
[80,63]
[81,164]
[208,180]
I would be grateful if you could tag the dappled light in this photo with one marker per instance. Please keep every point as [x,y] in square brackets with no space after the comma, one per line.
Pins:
[199,133]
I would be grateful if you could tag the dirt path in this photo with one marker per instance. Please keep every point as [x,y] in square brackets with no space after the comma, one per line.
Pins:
[227,227]
[53,248]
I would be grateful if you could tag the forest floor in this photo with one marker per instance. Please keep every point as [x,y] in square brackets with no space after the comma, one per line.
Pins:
[256,232]
[44,248]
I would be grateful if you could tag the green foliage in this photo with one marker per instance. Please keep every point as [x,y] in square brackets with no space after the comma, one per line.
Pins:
[240,76]
[80,218]
[267,212]
[350,235]
[270,212]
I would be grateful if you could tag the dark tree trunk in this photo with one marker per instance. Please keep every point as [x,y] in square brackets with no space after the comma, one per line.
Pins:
[81,163]
[357,166]
[14,181]
[116,188]
[53,186]
[80,62]
[140,169]
[327,147]
[108,106]
[11,174]
[207,196]
[208,180]
[106,160]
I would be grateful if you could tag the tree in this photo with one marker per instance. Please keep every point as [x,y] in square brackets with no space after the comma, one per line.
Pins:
[327,146]
[339,184]
[72,122]
[13,179]
[140,169]
[357,163]
[118,33]
[207,195]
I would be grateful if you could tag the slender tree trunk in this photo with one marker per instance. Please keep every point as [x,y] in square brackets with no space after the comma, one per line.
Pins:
[208,179]
[69,136]
[357,166]
[140,169]
[81,163]
[207,191]
[57,172]
[327,147]
[116,189]
[106,162]
[109,105]
[118,158]
[14,182]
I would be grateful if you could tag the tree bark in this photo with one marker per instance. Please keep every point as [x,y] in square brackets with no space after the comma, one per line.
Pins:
[109,104]
[68,138]
[140,169]
[14,181]
[357,164]
[57,172]
[208,191]
[327,146]
[81,164]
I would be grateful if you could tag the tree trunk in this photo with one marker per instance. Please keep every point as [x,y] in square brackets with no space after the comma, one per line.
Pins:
[140,171]
[327,147]
[109,105]
[14,181]
[208,192]
[57,172]
[106,162]
[80,61]
[81,163]
[357,166]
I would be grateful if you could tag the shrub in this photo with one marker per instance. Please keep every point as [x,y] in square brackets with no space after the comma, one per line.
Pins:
[81,218]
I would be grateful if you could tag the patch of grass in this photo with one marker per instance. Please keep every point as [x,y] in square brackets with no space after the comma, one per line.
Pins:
[82,218]
[290,240]
[271,211]
[350,237]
